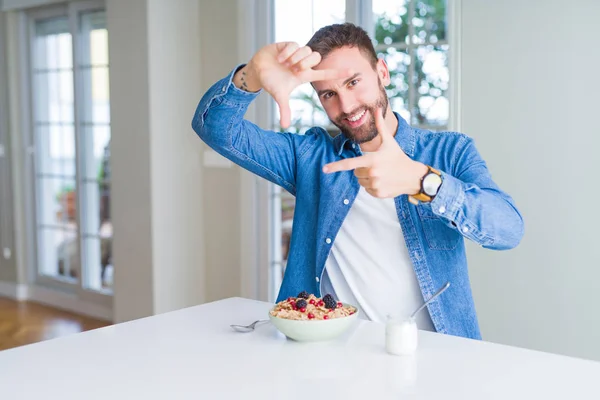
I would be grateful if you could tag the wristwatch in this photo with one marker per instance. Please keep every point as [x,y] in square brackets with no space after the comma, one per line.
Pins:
[430,185]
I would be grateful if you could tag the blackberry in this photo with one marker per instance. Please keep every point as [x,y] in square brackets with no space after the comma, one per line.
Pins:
[304,295]
[329,301]
[301,303]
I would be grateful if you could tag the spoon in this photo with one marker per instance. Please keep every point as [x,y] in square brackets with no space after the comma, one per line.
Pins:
[248,328]
[440,291]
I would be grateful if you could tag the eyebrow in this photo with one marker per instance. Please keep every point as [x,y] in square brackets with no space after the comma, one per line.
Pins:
[353,77]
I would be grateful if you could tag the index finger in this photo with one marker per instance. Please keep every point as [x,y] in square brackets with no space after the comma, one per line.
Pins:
[327,74]
[347,165]
[285,50]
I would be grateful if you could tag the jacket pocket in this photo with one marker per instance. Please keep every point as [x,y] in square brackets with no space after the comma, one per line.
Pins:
[438,235]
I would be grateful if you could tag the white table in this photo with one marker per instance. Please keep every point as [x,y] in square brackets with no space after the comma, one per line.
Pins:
[193,354]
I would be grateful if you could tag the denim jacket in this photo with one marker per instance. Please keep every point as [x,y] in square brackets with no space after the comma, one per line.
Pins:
[468,205]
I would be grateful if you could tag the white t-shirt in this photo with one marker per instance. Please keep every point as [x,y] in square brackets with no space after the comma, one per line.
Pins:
[369,265]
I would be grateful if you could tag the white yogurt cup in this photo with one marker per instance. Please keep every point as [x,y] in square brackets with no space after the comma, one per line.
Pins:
[401,337]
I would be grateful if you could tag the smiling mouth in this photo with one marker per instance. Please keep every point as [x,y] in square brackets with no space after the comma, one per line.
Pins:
[356,119]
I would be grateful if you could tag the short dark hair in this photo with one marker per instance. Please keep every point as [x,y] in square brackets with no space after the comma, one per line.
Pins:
[333,37]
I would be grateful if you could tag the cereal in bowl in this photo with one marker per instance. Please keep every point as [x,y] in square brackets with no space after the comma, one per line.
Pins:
[309,307]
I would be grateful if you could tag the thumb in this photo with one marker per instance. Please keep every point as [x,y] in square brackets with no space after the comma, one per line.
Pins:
[284,110]
[384,131]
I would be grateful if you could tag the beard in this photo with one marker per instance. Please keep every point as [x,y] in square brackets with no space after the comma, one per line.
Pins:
[368,130]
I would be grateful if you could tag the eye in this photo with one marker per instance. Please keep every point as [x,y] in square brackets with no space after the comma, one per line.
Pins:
[328,95]
[353,82]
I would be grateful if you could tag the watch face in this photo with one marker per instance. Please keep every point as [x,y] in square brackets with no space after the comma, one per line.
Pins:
[431,184]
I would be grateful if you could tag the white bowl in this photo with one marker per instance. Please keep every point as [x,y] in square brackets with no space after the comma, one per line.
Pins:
[313,330]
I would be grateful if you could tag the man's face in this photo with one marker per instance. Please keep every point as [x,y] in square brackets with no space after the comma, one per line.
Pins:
[351,103]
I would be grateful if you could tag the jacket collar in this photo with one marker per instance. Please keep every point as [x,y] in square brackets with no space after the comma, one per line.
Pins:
[405,137]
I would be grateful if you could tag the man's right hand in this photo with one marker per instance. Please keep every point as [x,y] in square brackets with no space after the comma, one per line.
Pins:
[281,67]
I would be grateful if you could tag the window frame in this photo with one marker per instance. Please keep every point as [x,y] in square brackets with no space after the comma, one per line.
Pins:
[6,201]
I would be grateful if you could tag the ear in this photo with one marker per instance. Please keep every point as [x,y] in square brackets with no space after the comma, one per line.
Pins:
[383,72]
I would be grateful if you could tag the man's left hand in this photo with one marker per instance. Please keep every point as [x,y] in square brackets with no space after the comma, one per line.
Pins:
[388,172]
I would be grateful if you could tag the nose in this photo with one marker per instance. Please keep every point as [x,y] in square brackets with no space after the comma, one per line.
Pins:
[347,104]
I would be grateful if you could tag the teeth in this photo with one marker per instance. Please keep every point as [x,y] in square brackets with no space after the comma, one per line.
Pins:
[357,116]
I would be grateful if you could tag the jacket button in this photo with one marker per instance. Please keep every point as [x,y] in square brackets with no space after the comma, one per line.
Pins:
[346,201]
[317,278]
[465,229]
[442,209]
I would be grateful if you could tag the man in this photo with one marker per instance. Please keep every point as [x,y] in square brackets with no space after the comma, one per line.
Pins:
[382,208]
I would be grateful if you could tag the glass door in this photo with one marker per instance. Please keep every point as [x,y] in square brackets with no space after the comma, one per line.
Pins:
[71,143]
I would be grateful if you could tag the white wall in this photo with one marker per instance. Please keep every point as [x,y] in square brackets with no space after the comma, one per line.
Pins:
[530,87]
[176,168]
[164,56]
[254,32]
[130,159]
[171,53]
[235,226]
[157,176]
[219,41]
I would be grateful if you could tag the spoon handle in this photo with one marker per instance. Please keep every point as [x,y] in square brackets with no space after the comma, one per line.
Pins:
[440,291]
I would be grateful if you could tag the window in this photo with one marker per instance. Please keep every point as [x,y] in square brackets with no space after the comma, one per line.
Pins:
[411,35]
[71,142]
